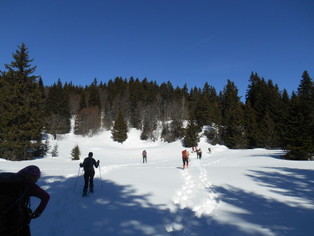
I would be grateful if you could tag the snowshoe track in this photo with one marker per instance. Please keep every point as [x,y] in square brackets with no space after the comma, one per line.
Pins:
[196,188]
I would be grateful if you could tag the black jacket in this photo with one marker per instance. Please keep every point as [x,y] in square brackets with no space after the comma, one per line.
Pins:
[88,164]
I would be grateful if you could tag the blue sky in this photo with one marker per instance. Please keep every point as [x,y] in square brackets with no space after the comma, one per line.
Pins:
[182,41]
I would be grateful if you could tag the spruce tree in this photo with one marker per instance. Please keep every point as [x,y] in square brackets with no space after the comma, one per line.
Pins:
[191,138]
[93,95]
[232,129]
[268,131]
[57,110]
[22,118]
[251,126]
[120,129]
[134,108]
[202,111]
[265,99]
[282,127]
[300,138]
[76,153]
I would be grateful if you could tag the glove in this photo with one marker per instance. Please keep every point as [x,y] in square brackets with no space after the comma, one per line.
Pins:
[98,162]
[35,215]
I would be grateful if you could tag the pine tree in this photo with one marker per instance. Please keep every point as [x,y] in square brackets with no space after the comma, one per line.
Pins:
[251,127]
[134,108]
[120,129]
[265,99]
[22,118]
[57,110]
[282,127]
[268,131]
[76,153]
[300,138]
[232,129]
[202,113]
[93,95]
[191,138]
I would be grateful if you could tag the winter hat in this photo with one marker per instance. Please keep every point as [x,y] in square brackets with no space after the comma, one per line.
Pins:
[31,170]
[90,154]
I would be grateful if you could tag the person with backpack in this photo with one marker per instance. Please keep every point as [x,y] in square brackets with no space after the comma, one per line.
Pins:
[89,173]
[16,190]
[144,154]
[199,153]
[185,158]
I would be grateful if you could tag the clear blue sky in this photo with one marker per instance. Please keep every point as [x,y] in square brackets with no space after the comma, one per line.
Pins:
[182,41]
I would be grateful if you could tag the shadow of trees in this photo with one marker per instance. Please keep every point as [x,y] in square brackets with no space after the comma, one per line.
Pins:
[272,216]
[112,210]
[119,210]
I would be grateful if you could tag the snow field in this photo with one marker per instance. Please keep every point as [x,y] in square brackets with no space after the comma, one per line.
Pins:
[227,192]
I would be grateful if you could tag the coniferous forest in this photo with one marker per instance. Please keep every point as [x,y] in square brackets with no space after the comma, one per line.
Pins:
[269,117]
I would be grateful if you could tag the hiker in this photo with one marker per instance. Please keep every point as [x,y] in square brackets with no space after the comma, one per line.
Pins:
[30,176]
[144,154]
[199,153]
[185,158]
[89,172]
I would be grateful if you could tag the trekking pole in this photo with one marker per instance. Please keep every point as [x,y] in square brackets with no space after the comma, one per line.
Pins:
[100,175]
[78,173]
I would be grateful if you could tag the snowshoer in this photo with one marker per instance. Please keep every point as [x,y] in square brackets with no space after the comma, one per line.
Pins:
[144,154]
[16,190]
[89,172]
[199,153]
[185,158]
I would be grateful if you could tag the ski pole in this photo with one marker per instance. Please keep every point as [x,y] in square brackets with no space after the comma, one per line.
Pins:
[100,175]
[78,173]
[99,172]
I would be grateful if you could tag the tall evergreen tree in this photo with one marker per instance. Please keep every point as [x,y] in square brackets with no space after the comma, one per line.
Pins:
[265,99]
[191,138]
[300,138]
[282,127]
[202,111]
[57,110]
[93,95]
[22,118]
[135,92]
[232,129]
[251,126]
[120,129]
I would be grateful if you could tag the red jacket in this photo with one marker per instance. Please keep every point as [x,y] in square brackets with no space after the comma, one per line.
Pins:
[185,154]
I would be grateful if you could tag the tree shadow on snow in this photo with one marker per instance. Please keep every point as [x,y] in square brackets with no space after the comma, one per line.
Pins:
[119,210]
[268,216]
[277,155]
[112,209]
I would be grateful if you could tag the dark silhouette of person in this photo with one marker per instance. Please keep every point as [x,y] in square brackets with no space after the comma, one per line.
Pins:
[88,165]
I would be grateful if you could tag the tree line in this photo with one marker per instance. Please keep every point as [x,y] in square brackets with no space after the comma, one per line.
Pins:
[267,118]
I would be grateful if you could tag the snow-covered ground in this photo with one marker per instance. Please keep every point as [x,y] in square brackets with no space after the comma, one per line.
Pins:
[227,192]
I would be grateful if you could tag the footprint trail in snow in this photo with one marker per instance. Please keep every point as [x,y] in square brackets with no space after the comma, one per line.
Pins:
[196,194]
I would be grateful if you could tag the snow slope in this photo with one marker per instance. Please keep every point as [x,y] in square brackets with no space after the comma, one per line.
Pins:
[227,192]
